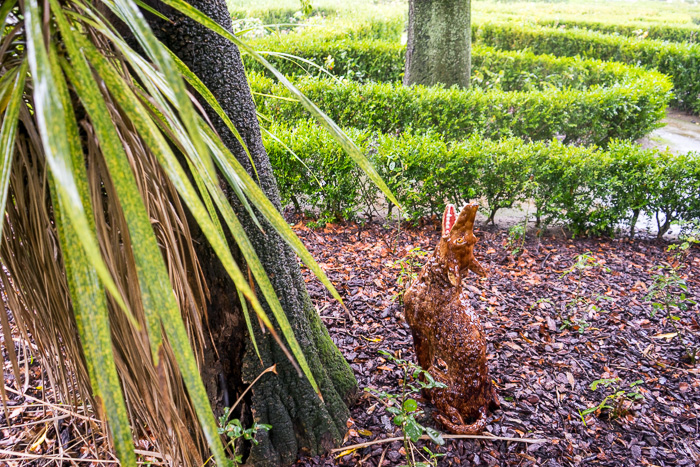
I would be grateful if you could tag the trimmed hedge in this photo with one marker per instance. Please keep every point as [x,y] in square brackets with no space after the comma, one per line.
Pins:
[661,32]
[355,59]
[376,60]
[589,189]
[680,61]
[386,28]
[623,110]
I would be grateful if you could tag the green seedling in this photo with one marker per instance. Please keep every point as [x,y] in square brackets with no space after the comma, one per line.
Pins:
[579,302]
[233,429]
[516,238]
[404,409]
[410,264]
[668,295]
[614,402]
[579,325]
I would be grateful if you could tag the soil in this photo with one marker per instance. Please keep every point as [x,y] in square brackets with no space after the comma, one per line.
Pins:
[550,336]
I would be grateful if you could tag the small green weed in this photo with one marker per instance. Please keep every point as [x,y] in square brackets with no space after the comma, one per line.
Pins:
[233,429]
[668,292]
[579,325]
[404,409]
[614,402]
[410,264]
[579,303]
[668,295]
[516,238]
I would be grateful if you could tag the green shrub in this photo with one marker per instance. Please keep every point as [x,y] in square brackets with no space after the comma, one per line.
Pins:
[356,59]
[590,190]
[674,190]
[631,174]
[286,19]
[280,15]
[318,174]
[568,185]
[623,110]
[680,61]
[383,61]
[661,32]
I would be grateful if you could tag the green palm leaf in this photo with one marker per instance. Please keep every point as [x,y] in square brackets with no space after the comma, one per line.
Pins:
[51,119]
[66,54]
[317,113]
[9,130]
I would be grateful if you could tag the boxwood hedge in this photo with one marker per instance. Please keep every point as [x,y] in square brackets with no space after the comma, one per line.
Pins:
[286,19]
[662,32]
[680,61]
[625,110]
[589,189]
[377,60]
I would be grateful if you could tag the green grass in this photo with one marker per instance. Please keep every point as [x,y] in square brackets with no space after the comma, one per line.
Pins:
[645,12]
[619,12]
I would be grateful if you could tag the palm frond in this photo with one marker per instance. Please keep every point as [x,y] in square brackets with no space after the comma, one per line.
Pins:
[105,154]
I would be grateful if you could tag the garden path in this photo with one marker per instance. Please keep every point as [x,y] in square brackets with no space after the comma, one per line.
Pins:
[681,133]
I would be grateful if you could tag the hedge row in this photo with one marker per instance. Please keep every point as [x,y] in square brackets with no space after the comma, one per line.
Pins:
[680,61]
[376,60]
[386,28]
[661,32]
[622,110]
[590,190]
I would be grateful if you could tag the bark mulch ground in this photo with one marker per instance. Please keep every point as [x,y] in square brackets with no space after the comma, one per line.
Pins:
[550,336]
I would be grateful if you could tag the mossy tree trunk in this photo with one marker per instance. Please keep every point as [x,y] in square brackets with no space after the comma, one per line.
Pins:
[302,423]
[439,43]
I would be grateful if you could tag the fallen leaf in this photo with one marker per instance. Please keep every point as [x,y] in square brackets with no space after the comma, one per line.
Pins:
[346,452]
[513,345]
[668,336]
[372,339]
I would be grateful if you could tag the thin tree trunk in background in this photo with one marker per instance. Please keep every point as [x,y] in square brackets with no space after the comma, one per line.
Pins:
[301,422]
[439,43]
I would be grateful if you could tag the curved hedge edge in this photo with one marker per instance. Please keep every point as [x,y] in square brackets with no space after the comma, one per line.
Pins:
[383,61]
[591,190]
[289,19]
[662,32]
[623,111]
[680,61]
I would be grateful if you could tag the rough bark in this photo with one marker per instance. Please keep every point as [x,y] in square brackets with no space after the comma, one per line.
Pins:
[302,423]
[439,43]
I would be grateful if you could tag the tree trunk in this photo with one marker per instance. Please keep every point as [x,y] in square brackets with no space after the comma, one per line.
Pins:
[439,43]
[301,422]
[633,221]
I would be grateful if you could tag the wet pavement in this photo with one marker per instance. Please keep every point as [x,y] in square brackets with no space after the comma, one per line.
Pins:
[680,135]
